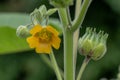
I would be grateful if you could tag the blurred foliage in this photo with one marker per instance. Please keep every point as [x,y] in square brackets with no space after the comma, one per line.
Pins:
[21,5]
[26,65]
[13,20]
[8,24]
[14,66]
[115,5]
[10,39]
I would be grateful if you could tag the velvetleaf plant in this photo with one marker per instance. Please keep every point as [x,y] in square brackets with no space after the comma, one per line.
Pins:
[43,37]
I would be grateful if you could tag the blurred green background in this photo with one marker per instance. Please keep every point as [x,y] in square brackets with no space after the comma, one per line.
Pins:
[19,62]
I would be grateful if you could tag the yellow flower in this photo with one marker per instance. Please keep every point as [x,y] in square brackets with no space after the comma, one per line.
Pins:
[43,39]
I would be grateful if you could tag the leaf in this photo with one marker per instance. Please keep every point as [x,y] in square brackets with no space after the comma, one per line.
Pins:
[10,43]
[14,19]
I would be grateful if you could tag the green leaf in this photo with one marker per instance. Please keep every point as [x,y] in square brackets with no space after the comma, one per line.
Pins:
[10,43]
[14,19]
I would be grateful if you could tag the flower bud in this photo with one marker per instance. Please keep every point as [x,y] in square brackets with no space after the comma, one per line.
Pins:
[93,44]
[42,9]
[38,15]
[41,15]
[22,31]
[61,3]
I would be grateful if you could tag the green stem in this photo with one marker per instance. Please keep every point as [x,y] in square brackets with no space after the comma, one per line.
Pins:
[68,56]
[76,33]
[55,66]
[84,64]
[69,72]
[48,62]
[78,21]
[77,7]
[63,17]
[68,16]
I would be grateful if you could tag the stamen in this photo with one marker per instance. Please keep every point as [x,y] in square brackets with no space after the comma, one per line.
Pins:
[44,35]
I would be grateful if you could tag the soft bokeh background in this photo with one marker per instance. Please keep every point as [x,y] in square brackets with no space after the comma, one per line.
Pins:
[19,62]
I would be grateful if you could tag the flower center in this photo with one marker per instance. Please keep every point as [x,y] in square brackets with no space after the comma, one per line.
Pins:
[44,35]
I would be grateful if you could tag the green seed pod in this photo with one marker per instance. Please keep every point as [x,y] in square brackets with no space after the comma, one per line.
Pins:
[93,44]
[98,52]
[22,31]
[85,47]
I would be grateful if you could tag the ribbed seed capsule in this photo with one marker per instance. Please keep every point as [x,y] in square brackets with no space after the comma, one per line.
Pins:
[93,44]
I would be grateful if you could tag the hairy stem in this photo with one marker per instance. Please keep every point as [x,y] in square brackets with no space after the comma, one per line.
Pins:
[76,33]
[48,62]
[55,66]
[78,21]
[68,56]
[84,64]
[69,72]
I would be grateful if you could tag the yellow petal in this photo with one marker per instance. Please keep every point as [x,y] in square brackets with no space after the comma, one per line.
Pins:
[51,29]
[35,29]
[43,48]
[56,42]
[33,41]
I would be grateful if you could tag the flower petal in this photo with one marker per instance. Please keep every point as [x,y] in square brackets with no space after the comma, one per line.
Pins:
[56,42]
[43,48]
[51,29]
[35,29]
[33,41]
